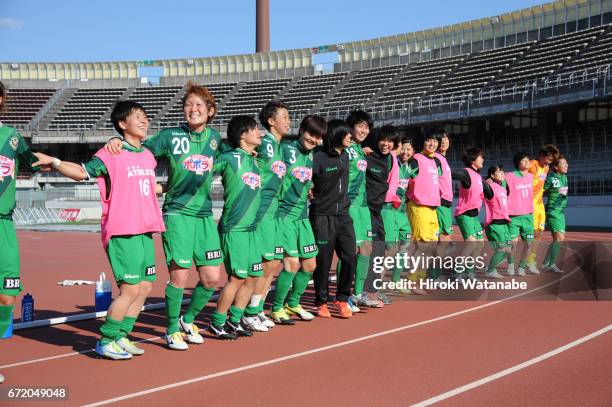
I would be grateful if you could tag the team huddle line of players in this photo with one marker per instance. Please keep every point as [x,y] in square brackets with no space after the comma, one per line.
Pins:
[288,207]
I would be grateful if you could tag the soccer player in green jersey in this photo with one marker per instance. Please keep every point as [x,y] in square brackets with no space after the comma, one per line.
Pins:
[132,256]
[237,228]
[298,239]
[191,233]
[274,116]
[360,124]
[556,188]
[14,153]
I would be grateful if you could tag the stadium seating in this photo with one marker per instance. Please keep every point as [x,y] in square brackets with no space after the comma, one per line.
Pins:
[24,105]
[308,90]
[596,56]
[85,108]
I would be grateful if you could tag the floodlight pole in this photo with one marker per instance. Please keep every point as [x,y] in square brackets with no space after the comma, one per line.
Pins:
[262,30]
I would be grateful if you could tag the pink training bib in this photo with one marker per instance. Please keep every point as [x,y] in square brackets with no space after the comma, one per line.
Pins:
[520,200]
[131,207]
[393,181]
[470,198]
[496,207]
[446,182]
[424,188]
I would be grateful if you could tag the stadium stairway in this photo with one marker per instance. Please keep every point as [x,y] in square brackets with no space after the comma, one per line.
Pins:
[55,108]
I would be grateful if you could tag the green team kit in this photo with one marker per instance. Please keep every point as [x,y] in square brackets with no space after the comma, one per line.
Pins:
[556,187]
[242,197]
[358,211]
[272,169]
[298,237]
[397,227]
[14,152]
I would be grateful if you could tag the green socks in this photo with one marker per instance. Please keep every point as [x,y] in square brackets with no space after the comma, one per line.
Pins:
[283,284]
[126,326]
[497,258]
[110,330]
[363,262]
[218,319]
[174,299]
[200,297]
[236,314]
[553,252]
[300,282]
[5,318]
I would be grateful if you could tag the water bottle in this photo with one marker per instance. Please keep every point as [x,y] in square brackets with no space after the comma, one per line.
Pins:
[104,293]
[27,308]
[9,330]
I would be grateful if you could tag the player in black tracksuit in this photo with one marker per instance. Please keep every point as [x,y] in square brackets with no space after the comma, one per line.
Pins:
[331,223]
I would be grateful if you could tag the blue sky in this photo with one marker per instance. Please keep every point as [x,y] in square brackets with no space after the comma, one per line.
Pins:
[111,30]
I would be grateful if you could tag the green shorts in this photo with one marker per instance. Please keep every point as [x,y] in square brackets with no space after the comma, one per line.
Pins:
[556,221]
[270,239]
[241,253]
[498,235]
[521,225]
[190,238]
[10,282]
[362,223]
[445,220]
[298,239]
[397,227]
[469,226]
[132,258]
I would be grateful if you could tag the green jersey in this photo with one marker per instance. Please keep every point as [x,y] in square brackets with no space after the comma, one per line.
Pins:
[556,189]
[191,158]
[357,178]
[14,152]
[95,167]
[402,187]
[296,184]
[241,190]
[272,170]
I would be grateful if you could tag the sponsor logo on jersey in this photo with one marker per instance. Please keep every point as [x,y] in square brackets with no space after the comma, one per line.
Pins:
[131,276]
[213,144]
[563,191]
[251,180]
[7,167]
[136,171]
[403,183]
[279,168]
[302,174]
[14,142]
[362,165]
[198,163]
[150,271]
[11,283]
[213,254]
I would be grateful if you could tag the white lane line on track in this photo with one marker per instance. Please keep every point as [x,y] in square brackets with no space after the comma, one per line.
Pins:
[320,349]
[510,370]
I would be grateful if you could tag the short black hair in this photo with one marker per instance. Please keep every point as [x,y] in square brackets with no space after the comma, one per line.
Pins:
[3,95]
[269,110]
[359,116]
[549,149]
[237,127]
[518,157]
[122,110]
[389,132]
[442,134]
[407,139]
[430,133]
[314,125]
[336,131]
[471,154]
[493,169]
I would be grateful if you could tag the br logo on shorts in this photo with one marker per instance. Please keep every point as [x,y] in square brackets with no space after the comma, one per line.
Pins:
[11,283]
[302,174]
[279,250]
[479,233]
[150,271]
[198,163]
[258,267]
[251,180]
[213,255]
[279,168]
[529,236]
[309,248]
[370,233]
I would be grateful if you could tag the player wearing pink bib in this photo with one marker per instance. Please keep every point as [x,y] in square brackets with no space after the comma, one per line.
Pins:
[445,217]
[130,215]
[520,208]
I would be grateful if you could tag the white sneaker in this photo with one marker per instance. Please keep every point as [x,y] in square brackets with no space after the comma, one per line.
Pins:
[299,311]
[129,347]
[265,320]
[112,351]
[533,269]
[493,274]
[555,269]
[510,269]
[254,323]
[192,331]
[176,341]
[521,271]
